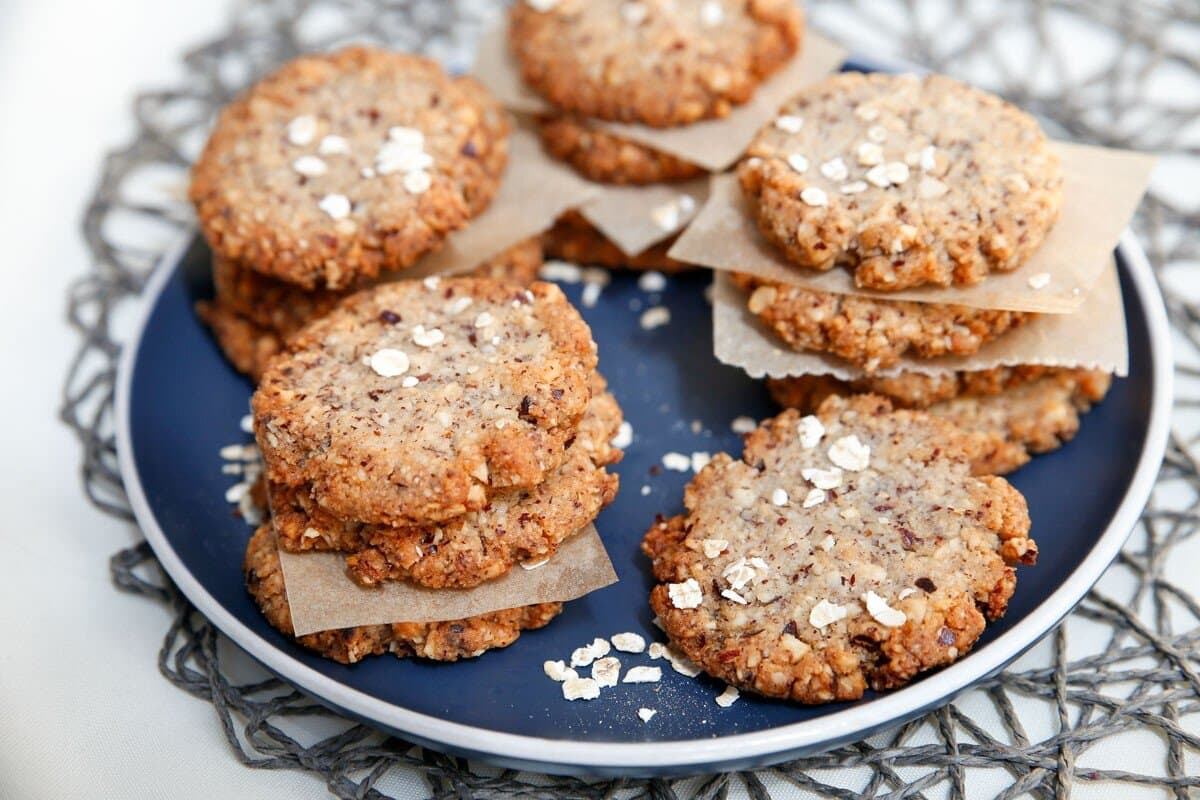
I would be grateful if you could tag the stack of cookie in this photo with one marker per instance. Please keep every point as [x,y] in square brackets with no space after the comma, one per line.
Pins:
[333,173]
[661,64]
[911,182]
[439,432]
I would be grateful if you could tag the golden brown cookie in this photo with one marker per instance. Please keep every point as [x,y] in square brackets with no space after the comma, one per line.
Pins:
[438,641]
[416,401]
[872,334]
[848,550]
[524,525]
[907,181]
[338,167]
[604,157]
[1015,412]
[574,239]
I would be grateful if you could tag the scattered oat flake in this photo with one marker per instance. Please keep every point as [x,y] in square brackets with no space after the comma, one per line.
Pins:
[558,671]
[628,642]
[811,431]
[685,595]
[676,462]
[850,454]
[247,424]
[652,281]
[586,655]
[606,671]
[779,497]
[337,206]
[699,460]
[1039,280]
[713,547]
[563,271]
[646,490]
[656,650]
[590,295]
[743,425]
[624,436]
[730,594]
[884,614]
[389,362]
[728,697]
[302,130]
[789,123]
[580,689]
[825,613]
[646,714]
[814,196]
[654,317]
[814,498]
[681,663]
[642,675]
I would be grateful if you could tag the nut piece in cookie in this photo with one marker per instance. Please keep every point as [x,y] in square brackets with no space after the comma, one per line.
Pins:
[438,641]
[658,63]
[338,167]
[604,157]
[882,556]
[415,401]
[907,181]
[870,333]
[1012,413]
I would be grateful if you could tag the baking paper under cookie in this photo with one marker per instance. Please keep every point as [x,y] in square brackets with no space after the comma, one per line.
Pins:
[713,144]
[626,215]
[1102,190]
[535,191]
[1092,337]
[322,596]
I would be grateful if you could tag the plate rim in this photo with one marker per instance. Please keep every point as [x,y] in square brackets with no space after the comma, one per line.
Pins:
[683,754]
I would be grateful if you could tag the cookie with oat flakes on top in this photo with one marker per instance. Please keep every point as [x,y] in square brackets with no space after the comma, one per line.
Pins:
[338,167]
[438,641]
[1013,412]
[906,181]
[416,401]
[848,550]
[654,62]
[518,526]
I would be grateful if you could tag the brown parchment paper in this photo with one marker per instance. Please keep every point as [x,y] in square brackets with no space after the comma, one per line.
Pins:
[625,214]
[322,597]
[534,191]
[1102,189]
[1092,337]
[713,144]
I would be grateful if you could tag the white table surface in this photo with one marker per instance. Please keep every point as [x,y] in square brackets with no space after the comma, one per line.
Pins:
[83,710]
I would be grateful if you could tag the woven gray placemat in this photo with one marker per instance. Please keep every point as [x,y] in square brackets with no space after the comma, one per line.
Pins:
[1127,75]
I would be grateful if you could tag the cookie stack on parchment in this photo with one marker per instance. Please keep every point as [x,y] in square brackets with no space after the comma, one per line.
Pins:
[657,64]
[908,183]
[439,432]
[334,173]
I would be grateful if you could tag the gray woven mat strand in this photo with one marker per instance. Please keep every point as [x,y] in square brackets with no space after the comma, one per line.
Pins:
[1147,675]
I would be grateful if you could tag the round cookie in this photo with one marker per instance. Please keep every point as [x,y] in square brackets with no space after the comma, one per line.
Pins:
[907,181]
[815,594]
[872,334]
[1013,412]
[605,158]
[438,641]
[416,401]
[523,525]
[248,346]
[655,62]
[338,167]
[574,239]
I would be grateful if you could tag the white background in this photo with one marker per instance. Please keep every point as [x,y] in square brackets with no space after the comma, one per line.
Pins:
[83,710]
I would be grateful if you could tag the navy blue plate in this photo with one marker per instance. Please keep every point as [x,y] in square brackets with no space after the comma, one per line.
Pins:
[179,402]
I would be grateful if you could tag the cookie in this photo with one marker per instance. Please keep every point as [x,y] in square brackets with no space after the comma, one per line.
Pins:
[906,181]
[248,346]
[1015,412]
[872,334]
[574,239]
[603,157]
[654,62]
[338,167]
[416,401]
[525,525]
[890,568]
[438,641]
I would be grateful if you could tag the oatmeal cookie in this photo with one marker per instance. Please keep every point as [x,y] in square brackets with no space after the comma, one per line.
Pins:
[907,181]
[338,167]
[416,401]
[845,551]
[604,157]
[872,334]
[575,239]
[523,525]
[438,641]
[654,62]
[1015,412]
[248,346]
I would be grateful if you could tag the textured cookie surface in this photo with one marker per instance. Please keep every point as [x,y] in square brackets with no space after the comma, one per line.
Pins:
[1012,412]
[872,334]
[659,62]
[813,586]
[416,401]
[906,181]
[438,641]
[606,158]
[340,166]
[523,525]
[573,238]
